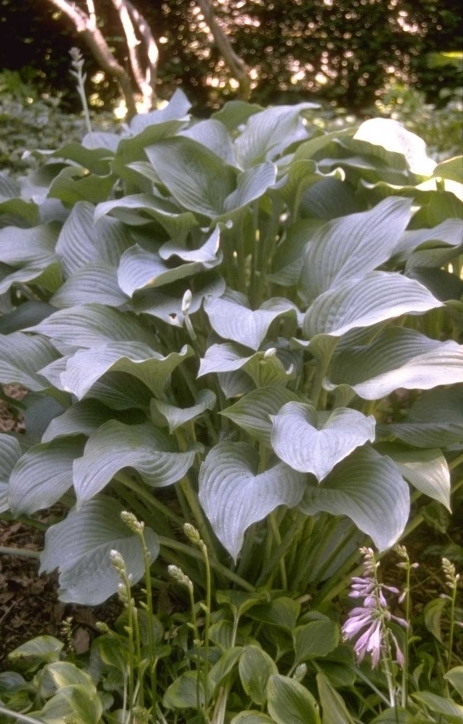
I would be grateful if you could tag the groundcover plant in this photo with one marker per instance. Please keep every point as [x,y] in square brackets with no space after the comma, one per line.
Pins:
[244,325]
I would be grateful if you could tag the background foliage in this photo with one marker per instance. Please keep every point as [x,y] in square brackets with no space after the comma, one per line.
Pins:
[343,51]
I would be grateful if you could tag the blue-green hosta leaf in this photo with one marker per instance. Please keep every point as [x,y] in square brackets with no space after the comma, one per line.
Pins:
[233,319]
[265,368]
[80,546]
[234,495]
[120,391]
[74,184]
[197,179]
[9,188]
[368,488]
[251,185]
[441,283]
[26,314]
[93,158]
[92,324]
[253,411]
[102,140]
[176,109]
[434,420]
[397,358]
[235,113]
[353,245]
[448,233]
[96,282]
[27,255]
[178,416]
[115,446]
[427,470]
[392,138]
[81,418]
[42,475]
[86,367]
[213,135]
[10,452]
[366,301]
[268,133]
[168,303]
[140,269]
[289,255]
[139,209]
[19,247]
[304,441]
[208,254]
[83,240]
[289,702]
[21,356]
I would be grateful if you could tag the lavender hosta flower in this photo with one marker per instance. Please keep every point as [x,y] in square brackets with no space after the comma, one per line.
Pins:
[371,619]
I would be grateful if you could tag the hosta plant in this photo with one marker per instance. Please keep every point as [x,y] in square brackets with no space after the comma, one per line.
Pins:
[240,323]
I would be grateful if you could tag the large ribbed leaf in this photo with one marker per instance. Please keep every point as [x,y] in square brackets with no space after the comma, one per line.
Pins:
[426,470]
[21,356]
[177,108]
[10,452]
[312,442]
[167,304]
[153,369]
[234,495]
[265,368]
[96,282]
[198,179]
[81,418]
[178,416]
[397,358]
[365,301]
[251,185]
[289,702]
[80,546]
[353,245]
[139,209]
[448,233]
[115,446]
[212,135]
[268,133]
[253,411]
[140,269]
[391,137]
[83,240]
[232,318]
[369,489]
[289,255]
[434,420]
[29,254]
[43,474]
[92,324]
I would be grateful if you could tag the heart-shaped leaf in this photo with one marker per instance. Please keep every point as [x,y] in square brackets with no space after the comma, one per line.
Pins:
[97,281]
[310,445]
[80,546]
[234,495]
[115,446]
[265,368]
[82,418]
[368,488]
[255,668]
[233,319]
